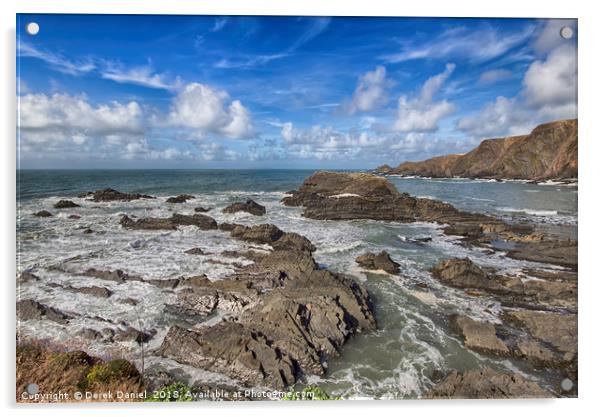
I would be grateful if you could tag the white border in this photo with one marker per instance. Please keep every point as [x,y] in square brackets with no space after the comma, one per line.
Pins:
[589,222]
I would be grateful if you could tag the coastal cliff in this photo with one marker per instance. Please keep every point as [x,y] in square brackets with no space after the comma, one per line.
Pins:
[548,152]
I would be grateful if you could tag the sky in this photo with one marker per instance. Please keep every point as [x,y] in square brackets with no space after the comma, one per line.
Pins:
[127,91]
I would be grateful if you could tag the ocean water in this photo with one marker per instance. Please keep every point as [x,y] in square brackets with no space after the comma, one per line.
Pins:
[401,359]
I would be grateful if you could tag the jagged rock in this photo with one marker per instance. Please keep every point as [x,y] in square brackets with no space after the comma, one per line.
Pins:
[65,204]
[290,315]
[249,206]
[43,213]
[227,227]
[180,199]
[479,336]
[378,261]
[201,209]
[109,194]
[348,196]
[118,275]
[101,292]
[33,310]
[548,152]
[171,223]
[272,235]
[130,334]
[195,251]
[557,330]
[486,384]
[559,252]
[27,276]
[463,273]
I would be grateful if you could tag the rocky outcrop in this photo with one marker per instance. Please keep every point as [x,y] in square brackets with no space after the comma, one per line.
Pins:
[171,223]
[548,152]
[248,206]
[349,196]
[287,315]
[486,384]
[33,310]
[43,213]
[479,336]
[109,194]
[380,261]
[65,204]
[182,198]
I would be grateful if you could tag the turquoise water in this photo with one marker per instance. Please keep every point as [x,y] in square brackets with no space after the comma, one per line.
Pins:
[399,360]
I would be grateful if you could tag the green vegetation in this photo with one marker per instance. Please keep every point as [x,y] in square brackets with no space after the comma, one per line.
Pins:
[115,370]
[309,393]
[172,393]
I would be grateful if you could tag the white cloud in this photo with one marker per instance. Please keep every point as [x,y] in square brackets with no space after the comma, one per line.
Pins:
[493,76]
[66,117]
[56,61]
[422,114]
[478,45]
[143,76]
[370,92]
[552,82]
[219,24]
[210,110]
[497,118]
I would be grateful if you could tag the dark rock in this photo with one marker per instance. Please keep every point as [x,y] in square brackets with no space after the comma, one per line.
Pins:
[180,199]
[130,334]
[201,209]
[486,384]
[65,204]
[558,252]
[129,301]
[380,261]
[463,273]
[348,196]
[43,213]
[195,251]
[271,235]
[27,276]
[479,336]
[74,217]
[290,315]
[118,275]
[101,292]
[171,223]
[90,334]
[33,310]
[109,194]
[249,206]
[88,231]
[227,227]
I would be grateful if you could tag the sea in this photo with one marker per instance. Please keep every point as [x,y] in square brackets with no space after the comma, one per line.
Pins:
[412,346]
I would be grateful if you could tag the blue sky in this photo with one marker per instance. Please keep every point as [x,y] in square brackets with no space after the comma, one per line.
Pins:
[281,92]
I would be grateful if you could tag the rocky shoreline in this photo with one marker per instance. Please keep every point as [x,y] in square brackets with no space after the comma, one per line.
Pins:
[283,316]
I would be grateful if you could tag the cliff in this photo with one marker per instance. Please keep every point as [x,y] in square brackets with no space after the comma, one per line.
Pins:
[548,152]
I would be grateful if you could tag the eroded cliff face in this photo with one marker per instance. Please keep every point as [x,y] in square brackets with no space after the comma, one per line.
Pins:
[548,152]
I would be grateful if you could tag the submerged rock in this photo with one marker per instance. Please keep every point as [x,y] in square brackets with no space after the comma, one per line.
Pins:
[66,204]
[182,198]
[248,206]
[378,261]
[74,217]
[27,276]
[201,209]
[195,251]
[109,194]
[486,384]
[96,291]
[43,213]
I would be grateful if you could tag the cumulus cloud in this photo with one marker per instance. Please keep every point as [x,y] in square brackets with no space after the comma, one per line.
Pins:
[46,119]
[422,113]
[370,92]
[497,118]
[553,81]
[210,110]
